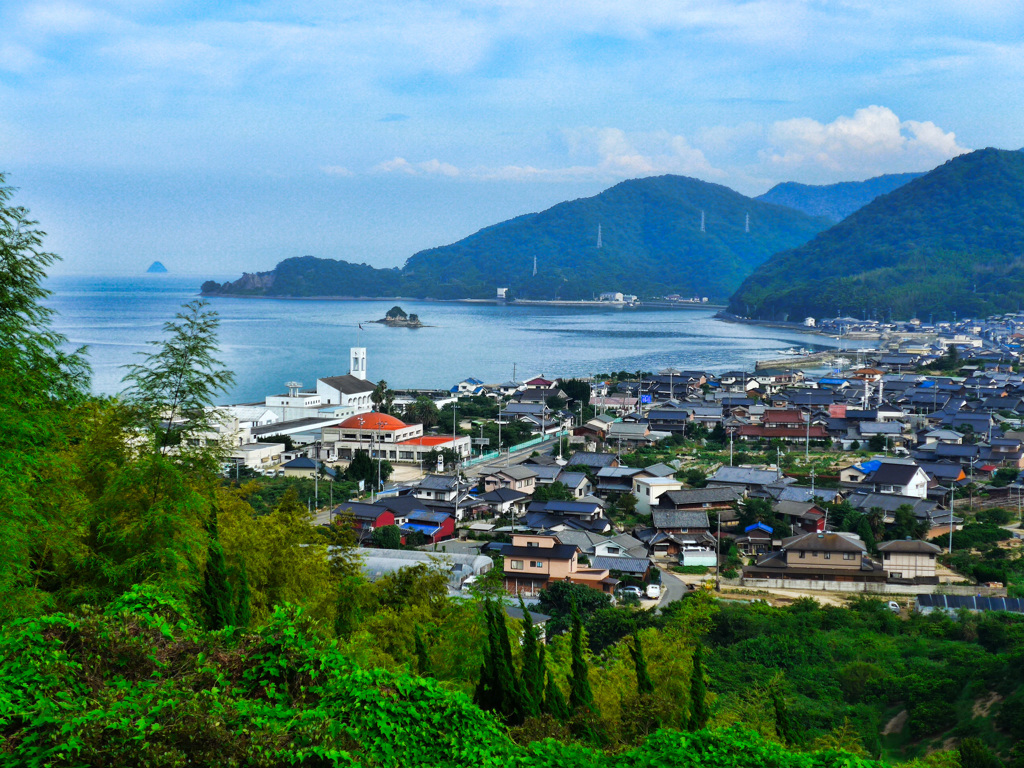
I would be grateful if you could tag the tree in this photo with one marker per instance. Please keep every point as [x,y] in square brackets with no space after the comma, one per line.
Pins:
[555,402]
[386,537]
[369,470]
[877,443]
[286,440]
[423,411]
[553,492]
[450,459]
[42,385]
[172,390]
[554,702]
[423,666]
[216,597]
[695,478]
[580,694]
[699,711]
[866,534]
[577,390]
[532,677]
[383,399]
[644,684]
[906,524]
[973,752]
[563,597]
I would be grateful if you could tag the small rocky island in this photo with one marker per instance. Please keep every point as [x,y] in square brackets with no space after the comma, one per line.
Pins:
[397,318]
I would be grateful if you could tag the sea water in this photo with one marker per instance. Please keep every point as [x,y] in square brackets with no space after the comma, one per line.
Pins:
[267,342]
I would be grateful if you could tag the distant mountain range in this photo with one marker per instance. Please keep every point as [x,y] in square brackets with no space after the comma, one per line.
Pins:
[835,201]
[652,244]
[949,241]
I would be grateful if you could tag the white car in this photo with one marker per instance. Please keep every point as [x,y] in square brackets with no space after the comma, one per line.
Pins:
[634,591]
[654,591]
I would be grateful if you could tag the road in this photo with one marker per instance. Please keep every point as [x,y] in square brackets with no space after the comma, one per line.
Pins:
[672,588]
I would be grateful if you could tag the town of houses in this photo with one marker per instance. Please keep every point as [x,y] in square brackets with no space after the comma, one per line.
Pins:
[903,441]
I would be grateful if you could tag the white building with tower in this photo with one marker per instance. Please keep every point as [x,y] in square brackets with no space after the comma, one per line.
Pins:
[351,390]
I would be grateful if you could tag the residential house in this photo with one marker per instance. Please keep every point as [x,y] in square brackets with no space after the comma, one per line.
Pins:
[577,482]
[746,478]
[365,517]
[593,461]
[505,501]
[517,478]
[910,560]
[818,557]
[691,499]
[532,562]
[649,489]
[436,526]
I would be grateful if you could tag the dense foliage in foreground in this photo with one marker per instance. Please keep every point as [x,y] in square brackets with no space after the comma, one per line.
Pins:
[139,683]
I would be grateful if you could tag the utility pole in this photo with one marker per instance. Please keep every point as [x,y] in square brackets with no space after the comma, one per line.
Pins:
[807,439]
[718,554]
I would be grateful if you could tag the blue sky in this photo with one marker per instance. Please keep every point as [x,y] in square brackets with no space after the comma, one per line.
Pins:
[228,136]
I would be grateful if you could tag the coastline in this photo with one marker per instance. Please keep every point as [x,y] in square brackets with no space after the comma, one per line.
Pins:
[495,302]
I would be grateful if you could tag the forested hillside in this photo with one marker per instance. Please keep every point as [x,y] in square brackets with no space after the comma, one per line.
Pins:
[651,245]
[949,241]
[834,201]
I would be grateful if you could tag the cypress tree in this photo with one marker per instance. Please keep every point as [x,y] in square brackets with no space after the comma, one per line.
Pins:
[532,678]
[422,658]
[784,725]
[644,684]
[865,532]
[218,605]
[488,695]
[554,701]
[580,694]
[512,698]
[243,605]
[699,713]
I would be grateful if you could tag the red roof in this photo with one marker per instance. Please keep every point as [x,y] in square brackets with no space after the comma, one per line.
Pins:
[431,440]
[782,417]
[374,421]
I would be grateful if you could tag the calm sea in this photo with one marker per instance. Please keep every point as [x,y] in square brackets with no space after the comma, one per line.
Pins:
[267,342]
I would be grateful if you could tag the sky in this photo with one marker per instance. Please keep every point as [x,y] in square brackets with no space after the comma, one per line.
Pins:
[224,137]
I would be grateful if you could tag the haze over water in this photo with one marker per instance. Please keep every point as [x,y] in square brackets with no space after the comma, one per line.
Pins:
[267,342]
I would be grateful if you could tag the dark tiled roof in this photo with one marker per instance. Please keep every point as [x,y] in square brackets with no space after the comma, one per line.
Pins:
[557,552]
[673,518]
[349,384]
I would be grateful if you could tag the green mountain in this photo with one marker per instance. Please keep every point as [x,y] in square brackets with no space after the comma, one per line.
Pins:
[949,241]
[651,245]
[835,201]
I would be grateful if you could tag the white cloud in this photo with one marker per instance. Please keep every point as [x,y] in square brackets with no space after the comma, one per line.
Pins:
[611,154]
[873,140]
[427,168]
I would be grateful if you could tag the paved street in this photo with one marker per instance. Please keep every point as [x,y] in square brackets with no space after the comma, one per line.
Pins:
[672,588]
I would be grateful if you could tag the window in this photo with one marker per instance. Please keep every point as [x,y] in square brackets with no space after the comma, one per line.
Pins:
[848,555]
[802,553]
[885,556]
[532,544]
[516,565]
[536,563]
[828,555]
[895,575]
